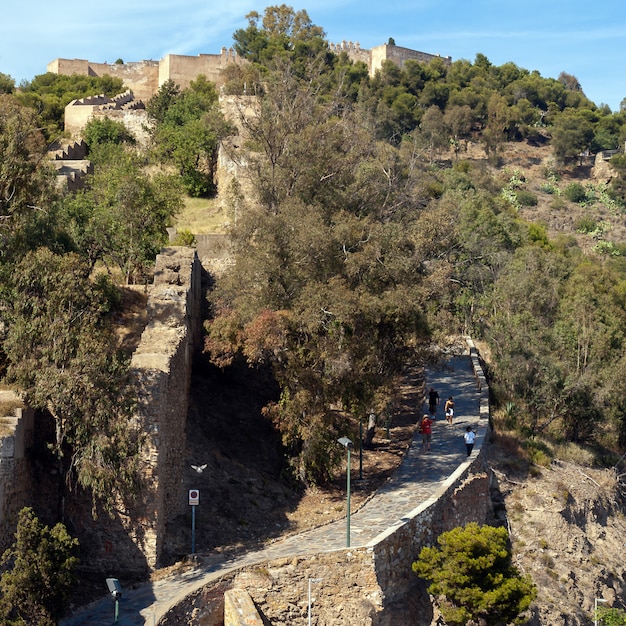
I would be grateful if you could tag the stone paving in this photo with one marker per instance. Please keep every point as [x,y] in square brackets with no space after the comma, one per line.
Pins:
[418,480]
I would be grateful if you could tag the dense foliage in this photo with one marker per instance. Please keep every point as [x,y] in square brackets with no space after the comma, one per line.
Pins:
[36,586]
[359,248]
[50,93]
[187,128]
[62,356]
[472,570]
[120,217]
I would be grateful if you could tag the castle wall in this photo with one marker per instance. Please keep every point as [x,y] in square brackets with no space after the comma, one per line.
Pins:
[183,69]
[162,369]
[141,77]
[16,479]
[399,56]
[144,78]
[135,120]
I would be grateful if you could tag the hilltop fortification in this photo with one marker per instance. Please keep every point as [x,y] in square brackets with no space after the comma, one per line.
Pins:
[144,78]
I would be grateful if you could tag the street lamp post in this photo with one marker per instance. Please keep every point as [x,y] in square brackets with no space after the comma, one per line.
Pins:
[115,589]
[595,609]
[312,580]
[348,445]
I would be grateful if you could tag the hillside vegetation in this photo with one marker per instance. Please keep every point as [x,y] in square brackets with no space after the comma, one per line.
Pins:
[381,216]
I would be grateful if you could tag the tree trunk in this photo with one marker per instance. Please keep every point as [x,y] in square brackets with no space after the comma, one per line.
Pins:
[371,429]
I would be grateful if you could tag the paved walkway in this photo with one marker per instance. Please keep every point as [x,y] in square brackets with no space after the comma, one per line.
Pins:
[417,479]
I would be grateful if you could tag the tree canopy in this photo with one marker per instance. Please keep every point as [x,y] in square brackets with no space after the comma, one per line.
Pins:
[472,570]
[36,587]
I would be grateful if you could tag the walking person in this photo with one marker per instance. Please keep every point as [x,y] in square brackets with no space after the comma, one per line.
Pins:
[449,409]
[469,437]
[433,401]
[427,432]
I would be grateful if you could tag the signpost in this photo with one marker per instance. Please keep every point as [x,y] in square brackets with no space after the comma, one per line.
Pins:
[194,500]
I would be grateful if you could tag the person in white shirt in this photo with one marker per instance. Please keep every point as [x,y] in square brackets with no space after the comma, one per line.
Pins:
[469,436]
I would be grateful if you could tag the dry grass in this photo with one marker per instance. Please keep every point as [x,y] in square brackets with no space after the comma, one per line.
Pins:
[8,406]
[202,216]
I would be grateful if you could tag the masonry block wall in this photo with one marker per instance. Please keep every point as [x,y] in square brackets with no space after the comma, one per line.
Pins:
[16,479]
[353,586]
[162,368]
[144,78]
[141,77]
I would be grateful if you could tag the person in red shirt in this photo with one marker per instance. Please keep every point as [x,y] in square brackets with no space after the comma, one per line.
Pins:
[427,431]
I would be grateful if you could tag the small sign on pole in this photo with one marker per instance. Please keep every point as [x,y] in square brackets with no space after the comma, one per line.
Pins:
[194,497]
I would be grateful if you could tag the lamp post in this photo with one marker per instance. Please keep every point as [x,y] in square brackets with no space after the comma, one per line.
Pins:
[115,589]
[348,445]
[312,580]
[194,501]
[595,609]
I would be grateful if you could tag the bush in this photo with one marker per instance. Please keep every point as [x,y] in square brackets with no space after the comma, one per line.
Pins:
[575,192]
[184,237]
[472,569]
[105,130]
[585,225]
[526,198]
[36,585]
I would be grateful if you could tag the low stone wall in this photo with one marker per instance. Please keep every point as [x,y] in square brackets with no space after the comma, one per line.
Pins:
[239,610]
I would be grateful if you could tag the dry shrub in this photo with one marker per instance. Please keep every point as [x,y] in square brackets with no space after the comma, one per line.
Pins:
[575,453]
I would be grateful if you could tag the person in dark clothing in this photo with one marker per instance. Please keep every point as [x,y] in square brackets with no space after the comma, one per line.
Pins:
[433,401]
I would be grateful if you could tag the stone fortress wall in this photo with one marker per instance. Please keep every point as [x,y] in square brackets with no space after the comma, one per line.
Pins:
[16,477]
[144,78]
[162,365]
[375,57]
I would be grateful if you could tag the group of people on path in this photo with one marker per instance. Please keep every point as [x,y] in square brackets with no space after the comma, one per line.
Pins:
[425,426]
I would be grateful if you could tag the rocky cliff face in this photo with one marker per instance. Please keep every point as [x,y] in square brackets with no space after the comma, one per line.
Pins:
[568,530]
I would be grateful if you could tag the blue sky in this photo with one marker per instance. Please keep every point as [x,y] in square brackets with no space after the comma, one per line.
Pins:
[585,39]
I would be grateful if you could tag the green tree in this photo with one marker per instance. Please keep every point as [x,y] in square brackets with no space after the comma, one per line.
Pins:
[472,569]
[63,357]
[40,573]
[328,285]
[189,126]
[7,84]
[26,180]
[50,93]
[610,617]
[433,130]
[282,32]
[106,130]
[571,134]
[121,216]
